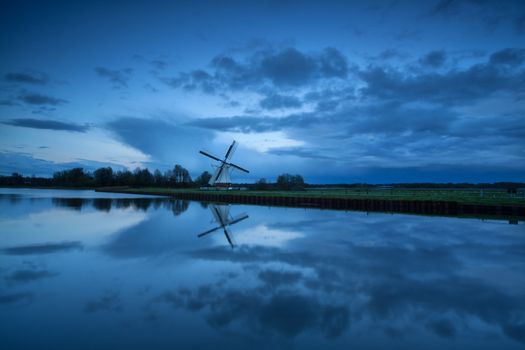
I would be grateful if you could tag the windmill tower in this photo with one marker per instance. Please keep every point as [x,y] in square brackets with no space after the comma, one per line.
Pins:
[221,176]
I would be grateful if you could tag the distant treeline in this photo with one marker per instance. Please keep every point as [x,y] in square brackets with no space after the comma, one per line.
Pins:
[180,177]
[102,177]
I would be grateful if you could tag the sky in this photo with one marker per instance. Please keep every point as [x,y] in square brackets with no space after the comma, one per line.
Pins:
[337,91]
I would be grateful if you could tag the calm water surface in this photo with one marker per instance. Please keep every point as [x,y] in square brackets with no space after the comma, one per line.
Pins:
[84,270]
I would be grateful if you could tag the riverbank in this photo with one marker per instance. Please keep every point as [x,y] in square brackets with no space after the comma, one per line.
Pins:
[449,202]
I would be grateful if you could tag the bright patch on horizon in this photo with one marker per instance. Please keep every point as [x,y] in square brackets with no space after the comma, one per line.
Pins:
[260,142]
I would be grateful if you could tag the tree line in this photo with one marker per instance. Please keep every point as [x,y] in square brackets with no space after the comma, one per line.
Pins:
[180,177]
[102,177]
[107,177]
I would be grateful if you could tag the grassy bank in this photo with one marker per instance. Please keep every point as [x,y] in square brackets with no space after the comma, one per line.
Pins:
[463,196]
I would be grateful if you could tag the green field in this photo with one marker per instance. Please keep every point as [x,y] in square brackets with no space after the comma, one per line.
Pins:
[465,196]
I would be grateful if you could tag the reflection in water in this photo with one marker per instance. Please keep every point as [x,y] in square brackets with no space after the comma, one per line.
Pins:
[177,206]
[301,279]
[222,217]
[45,248]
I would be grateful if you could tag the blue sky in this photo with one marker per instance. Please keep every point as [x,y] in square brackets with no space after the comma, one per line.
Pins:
[376,91]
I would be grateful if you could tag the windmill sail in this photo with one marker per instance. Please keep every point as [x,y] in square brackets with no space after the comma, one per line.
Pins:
[222,217]
[221,176]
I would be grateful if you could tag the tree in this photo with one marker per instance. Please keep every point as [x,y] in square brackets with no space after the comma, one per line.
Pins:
[179,176]
[290,182]
[261,184]
[142,177]
[124,178]
[158,178]
[103,176]
[73,177]
[203,179]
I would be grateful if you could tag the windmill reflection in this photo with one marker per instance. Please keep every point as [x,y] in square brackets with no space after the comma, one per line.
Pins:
[221,215]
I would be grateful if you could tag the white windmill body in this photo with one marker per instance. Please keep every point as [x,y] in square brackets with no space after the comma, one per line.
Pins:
[222,175]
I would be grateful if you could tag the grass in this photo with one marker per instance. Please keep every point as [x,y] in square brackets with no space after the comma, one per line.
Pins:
[465,196]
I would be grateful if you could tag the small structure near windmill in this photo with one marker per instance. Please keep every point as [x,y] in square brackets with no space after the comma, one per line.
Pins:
[221,177]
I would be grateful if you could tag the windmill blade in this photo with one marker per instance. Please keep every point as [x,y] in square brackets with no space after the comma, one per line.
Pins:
[219,215]
[237,219]
[209,155]
[231,150]
[209,231]
[229,237]
[224,211]
[214,177]
[238,167]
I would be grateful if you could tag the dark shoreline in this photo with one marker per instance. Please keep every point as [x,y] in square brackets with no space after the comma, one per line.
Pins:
[425,207]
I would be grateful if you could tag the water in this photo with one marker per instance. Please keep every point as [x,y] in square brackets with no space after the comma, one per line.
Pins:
[84,270]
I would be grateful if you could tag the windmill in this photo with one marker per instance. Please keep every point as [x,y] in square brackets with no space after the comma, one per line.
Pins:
[221,177]
[221,214]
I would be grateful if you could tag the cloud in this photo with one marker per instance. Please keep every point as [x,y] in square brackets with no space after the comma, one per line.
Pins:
[408,280]
[277,101]
[28,165]
[29,77]
[15,298]
[443,328]
[455,87]
[23,276]
[44,248]
[118,77]
[510,56]
[286,68]
[433,59]
[159,64]
[165,141]
[40,100]
[46,124]
[274,279]
[284,313]
[109,301]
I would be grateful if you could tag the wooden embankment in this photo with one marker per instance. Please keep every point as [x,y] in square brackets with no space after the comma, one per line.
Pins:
[427,207]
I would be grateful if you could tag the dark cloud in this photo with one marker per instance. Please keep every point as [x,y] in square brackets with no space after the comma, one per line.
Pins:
[36,78]
[159,64]
[15,298]
[383,118]
[45,248]
[389,54]
[510,57]
[285,68]
[285,313]
[46,124]
[434,59]
[7,103]
[289,67]
[109,301]
[22,276]
[274,279]
[40,100]
[159,138]
[118,77]
[454,87]
[443,328]
[277,101]
[519,24]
